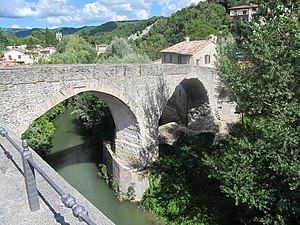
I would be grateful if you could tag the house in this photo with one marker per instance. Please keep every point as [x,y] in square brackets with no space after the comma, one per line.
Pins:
[100,49]
[200,53]
[46,52]
[40,53]
[243,11]
[16,56]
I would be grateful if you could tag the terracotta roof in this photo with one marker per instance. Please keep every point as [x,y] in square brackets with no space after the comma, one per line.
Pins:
[187,47]
[16,49]
[245,6]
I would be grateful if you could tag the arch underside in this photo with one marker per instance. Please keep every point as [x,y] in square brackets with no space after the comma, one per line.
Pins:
[127,141]
[189,106]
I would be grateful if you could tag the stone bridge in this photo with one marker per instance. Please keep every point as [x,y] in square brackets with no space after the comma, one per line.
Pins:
[136,95]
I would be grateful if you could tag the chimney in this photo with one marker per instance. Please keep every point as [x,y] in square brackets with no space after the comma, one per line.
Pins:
[187,39]
[213,38]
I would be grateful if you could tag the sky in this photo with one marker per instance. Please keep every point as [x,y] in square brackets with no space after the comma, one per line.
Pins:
[74,13]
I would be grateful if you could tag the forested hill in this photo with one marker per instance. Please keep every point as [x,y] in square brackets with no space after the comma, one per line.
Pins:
[106,30]
[196,21]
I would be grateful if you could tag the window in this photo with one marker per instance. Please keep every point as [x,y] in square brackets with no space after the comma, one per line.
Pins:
[165,58]
[170,58]
[197,62]
[19,56]
[244,12]
[179,59]
[207,59]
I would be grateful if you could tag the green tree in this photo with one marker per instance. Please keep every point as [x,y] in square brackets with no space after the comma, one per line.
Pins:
[39,35]
[31,42]
[258,165]
[74,49]
[50,39]
[120,51]
[41,131]
[95,116]
[39,135]
[3,40]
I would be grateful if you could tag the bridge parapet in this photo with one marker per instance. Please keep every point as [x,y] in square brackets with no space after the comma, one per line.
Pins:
[14,204]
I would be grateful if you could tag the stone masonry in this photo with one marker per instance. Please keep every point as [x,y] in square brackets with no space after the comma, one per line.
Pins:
[135,94]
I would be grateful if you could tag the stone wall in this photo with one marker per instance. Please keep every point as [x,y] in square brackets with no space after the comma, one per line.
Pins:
[136,95]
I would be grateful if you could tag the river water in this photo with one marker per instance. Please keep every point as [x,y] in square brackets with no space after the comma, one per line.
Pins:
[76,160]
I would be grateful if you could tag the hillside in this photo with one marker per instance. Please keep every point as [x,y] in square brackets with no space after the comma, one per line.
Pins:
[196,21]
[106,32]
[109,29]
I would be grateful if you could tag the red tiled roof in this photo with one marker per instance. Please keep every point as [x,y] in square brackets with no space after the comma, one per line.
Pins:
[186,47]
[16,49]
[245,6]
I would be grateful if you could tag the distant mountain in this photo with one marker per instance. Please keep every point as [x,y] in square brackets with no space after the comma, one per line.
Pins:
[67,30]
[23,32]
[126,27]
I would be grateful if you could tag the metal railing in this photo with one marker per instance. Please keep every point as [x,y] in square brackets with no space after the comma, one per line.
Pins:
[29,167]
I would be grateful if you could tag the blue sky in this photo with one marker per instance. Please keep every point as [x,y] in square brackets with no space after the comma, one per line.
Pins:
[73,13]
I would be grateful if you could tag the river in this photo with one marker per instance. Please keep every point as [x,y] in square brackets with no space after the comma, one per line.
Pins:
[76,160]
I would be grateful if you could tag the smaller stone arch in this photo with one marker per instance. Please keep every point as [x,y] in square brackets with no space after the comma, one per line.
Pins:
[187,110]
[189,97]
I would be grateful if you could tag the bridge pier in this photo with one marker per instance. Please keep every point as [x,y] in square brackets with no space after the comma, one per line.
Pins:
[123,176]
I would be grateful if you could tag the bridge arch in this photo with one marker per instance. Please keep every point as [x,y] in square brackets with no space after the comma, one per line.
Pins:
[188,105]
[136,92]
[126,142]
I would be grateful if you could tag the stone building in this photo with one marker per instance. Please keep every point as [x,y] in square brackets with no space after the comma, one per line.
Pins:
[100,49]
[243,11]
[199,52]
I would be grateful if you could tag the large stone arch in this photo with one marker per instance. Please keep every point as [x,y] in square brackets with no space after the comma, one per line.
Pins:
[127,131]
[123,156]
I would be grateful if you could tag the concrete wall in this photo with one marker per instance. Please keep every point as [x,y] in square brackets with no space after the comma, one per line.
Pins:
[136,95]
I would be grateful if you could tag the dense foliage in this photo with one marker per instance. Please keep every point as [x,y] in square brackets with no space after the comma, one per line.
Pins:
[258,164]
[43,38]
[120,51]
[73,49]
[105,33]
[180,191]
[40,132]
[95,116]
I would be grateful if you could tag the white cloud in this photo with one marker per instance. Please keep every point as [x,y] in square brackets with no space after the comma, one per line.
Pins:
[121,18]
[170,6]
[58,12]
[142,14]
[15,26]
[16,9]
